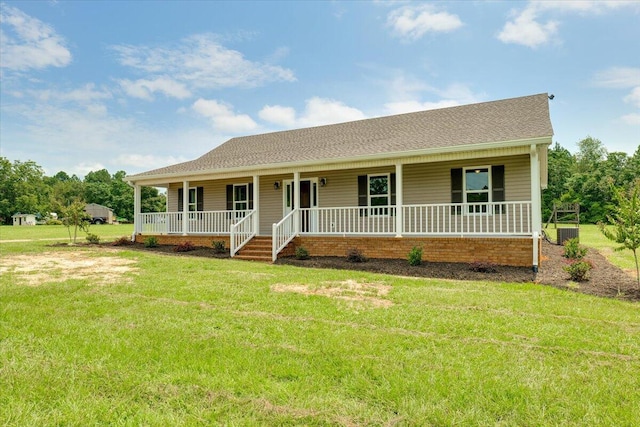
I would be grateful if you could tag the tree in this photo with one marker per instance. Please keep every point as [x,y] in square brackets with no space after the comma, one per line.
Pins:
[75,216]
[626,221]
[22,188]
[561,166]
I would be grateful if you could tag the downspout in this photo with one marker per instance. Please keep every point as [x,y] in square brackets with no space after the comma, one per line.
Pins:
[536,205]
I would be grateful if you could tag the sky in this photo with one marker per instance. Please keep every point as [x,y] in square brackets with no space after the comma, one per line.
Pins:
[133,86]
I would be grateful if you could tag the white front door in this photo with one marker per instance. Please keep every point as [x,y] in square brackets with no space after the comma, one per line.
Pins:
[308,199]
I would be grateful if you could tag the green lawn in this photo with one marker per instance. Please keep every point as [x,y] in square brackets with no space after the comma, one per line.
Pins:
[185,341]
[105,231]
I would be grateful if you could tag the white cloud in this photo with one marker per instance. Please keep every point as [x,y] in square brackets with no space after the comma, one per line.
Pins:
[222,116]
[29,43]
[525,30]
[413,22]
[148,161]
[634,97]
[201,61]
[83,95]
[322,111]
[318,111]
[631,119]
[618,77]
[144,88]
[279,115]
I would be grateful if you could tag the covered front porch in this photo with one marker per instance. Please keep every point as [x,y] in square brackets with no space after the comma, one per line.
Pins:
[352,203]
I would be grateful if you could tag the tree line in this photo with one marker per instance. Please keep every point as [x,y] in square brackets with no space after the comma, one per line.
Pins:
[24,188]
[589,177]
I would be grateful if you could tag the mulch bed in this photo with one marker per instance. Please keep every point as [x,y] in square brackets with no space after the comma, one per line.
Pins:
[604,281]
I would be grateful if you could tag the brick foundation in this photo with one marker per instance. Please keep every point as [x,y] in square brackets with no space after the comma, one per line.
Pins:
[514,251]
[175,239]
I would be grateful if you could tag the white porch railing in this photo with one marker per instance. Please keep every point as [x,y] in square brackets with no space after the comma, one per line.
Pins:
[241,232]
[282,233]
[499,218]
[349,220]
[201,222]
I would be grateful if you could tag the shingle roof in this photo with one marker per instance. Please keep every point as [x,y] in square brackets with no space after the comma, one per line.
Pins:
[488,122]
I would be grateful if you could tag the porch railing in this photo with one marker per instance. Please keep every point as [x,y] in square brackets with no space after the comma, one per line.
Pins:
[349,220]
[499,218]
[242,232]
[200,222]
[282,233]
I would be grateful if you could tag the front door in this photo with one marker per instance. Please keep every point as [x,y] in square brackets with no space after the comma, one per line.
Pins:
[308,199]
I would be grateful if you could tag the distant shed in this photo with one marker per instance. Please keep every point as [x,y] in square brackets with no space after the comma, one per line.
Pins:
[99,211]
[24,219]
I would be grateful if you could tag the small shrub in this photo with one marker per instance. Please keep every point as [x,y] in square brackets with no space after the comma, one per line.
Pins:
[483,267]
[302,253]
[151,242]
[53,222]
[93,238]
[573,250]
[356,255]
[579,270]
[219,246]
[415,256]
[184,247]
[123,241]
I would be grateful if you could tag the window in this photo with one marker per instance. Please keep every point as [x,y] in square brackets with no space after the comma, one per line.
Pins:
[379,194]
[240,197]
[476,188]
[195,199]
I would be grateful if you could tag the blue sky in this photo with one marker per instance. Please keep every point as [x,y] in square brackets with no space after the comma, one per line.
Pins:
[132,86]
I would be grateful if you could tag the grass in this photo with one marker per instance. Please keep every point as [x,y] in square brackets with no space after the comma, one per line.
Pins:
[104,231]
[591,236]
[186,341]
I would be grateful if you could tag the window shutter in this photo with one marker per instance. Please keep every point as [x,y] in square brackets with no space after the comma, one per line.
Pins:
[363,193]
[456,190]
[180,199]
[250,196]
[200,199]
[456,185]
[497,186]
[497,183]
[230,197]
[392,184]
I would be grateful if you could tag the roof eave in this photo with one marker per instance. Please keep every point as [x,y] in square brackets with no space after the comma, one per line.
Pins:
[543,140]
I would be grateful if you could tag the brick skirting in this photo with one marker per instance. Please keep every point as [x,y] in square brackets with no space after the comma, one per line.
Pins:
[514,251]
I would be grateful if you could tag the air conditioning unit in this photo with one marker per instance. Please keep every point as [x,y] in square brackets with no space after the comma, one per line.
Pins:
[565,234]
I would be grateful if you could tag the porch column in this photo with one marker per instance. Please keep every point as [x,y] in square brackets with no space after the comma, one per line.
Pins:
[296,202]
[399,201]
[536,203]
[256,204]
[185,207]
[137,203]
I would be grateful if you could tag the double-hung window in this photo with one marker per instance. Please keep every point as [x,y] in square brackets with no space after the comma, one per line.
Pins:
[240,197]
[477,185]
[193,200]
[379,194]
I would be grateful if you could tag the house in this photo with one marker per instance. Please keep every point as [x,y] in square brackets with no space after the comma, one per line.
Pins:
[464,183]
[24,219]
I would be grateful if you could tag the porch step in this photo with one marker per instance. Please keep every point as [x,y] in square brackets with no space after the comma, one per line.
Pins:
[258,249]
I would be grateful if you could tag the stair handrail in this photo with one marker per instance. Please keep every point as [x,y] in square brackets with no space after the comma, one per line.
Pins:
[282,233]
[241,232]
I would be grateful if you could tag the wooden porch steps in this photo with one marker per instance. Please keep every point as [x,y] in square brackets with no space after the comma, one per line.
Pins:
[258,249]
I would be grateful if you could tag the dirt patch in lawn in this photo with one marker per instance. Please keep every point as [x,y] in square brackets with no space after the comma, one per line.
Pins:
[348,290]
[59,266]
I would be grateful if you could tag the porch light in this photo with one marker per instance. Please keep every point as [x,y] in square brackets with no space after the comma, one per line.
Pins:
[323,182]
[276,185]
